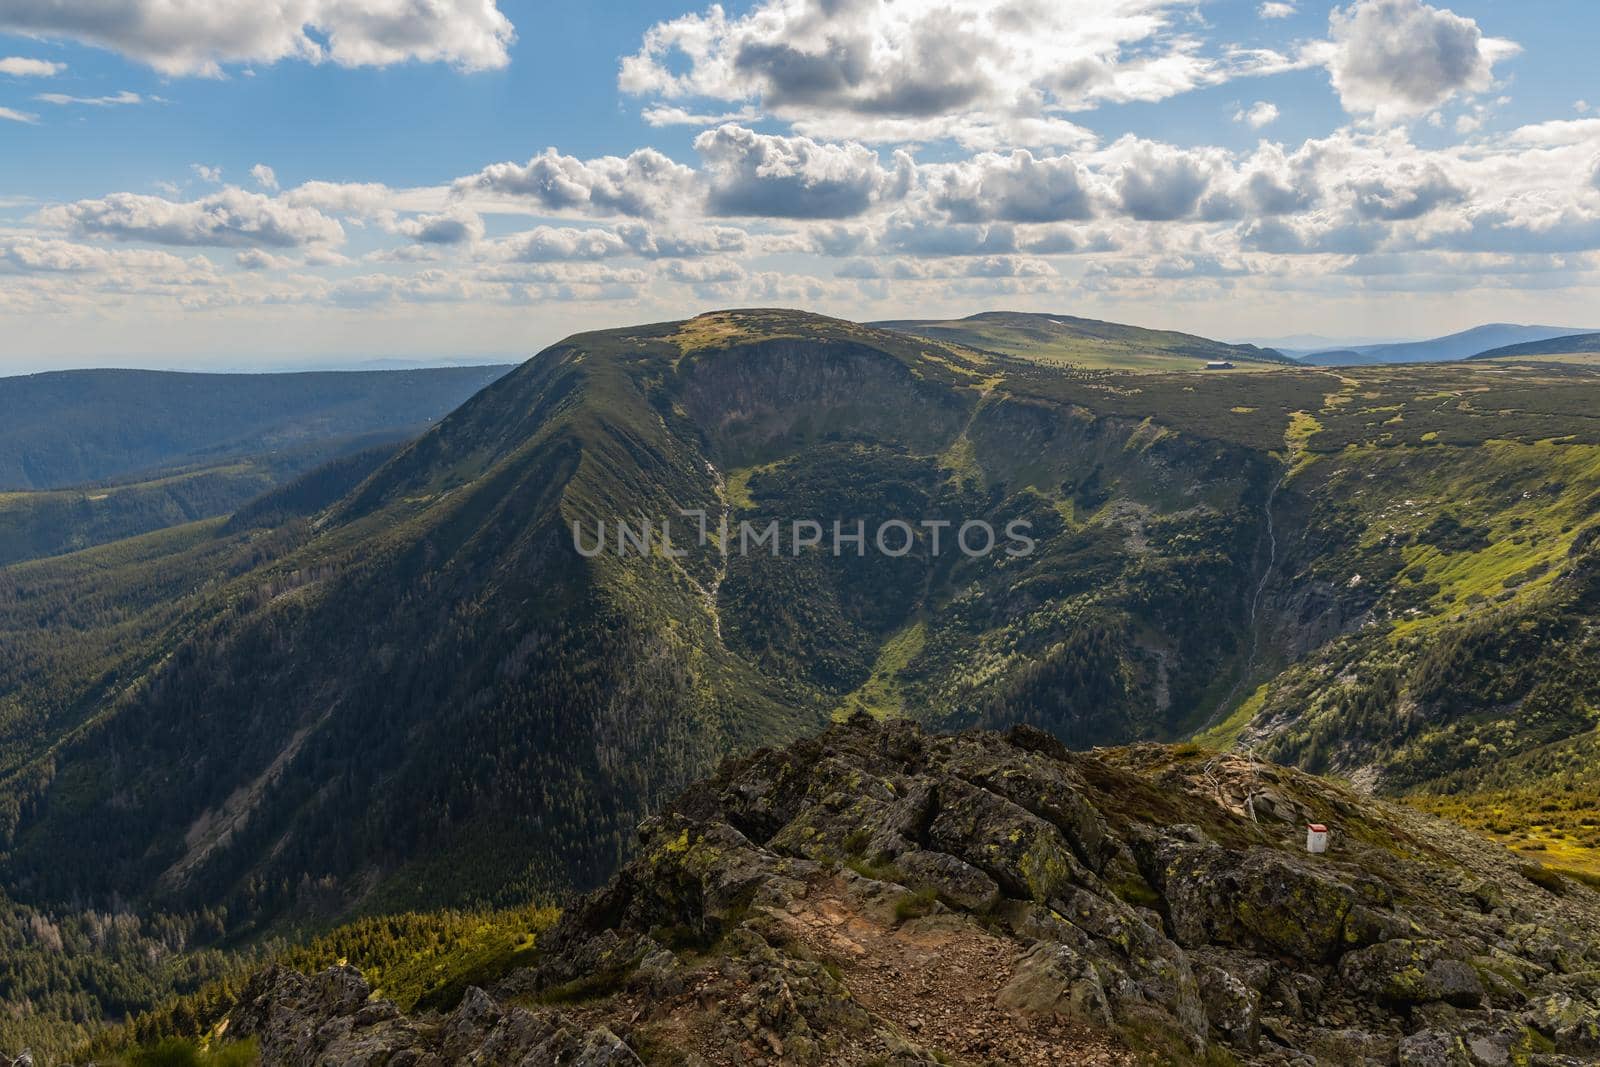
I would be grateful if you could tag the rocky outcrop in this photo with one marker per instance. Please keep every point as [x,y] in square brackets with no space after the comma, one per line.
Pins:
[879,895]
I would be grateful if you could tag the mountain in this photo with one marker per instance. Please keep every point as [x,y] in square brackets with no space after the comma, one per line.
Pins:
[69,428]
[1088,343]
[1571,344]
[880,895]
[50,522]
[1461,345]
[401,684]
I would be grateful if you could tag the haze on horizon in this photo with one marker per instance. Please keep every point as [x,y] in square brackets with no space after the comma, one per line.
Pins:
[243,188]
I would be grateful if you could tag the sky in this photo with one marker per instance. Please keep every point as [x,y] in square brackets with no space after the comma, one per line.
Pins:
[232,184]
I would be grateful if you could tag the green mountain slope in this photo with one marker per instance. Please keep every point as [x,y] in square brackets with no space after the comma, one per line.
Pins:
[1583,344]
[67,428]
[399,684]
[430,696]
[50,522]
[1088,343]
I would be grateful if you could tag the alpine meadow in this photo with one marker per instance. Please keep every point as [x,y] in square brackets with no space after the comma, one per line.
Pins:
[971,532]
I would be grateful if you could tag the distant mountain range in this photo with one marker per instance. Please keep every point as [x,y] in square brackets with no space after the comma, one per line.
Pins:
[67,428]
[1463,345]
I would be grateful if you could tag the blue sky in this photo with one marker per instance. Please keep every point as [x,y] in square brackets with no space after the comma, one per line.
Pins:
[490,177]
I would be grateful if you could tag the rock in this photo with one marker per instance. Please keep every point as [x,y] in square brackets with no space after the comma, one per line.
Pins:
[1231,1006]
[1434,1048]
[1403,972]
[1026,856]
[1053,979]
[1257,897]
[956,881]
[1355,1048]
[1120,898]
[1572,1024]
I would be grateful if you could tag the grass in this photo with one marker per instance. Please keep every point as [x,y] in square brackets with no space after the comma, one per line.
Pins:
[915,904]
[882,695]
[1225,734]
[1558,829]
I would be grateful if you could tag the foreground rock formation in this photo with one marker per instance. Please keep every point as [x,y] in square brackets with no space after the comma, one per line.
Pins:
[878,895]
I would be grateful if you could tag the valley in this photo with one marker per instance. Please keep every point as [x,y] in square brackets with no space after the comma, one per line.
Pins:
[392,685]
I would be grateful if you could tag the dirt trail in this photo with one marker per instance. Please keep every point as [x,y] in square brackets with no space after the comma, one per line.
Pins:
[935,980]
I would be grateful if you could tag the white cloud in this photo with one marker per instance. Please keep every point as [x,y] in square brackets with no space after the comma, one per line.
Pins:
[23,67]
[457,226]
[1405,191]
[767,175]
[1160,183]
[207,173]
[1261,113]
[920,69]
[259,259]
[12,115]
[231,217]
[119,99]
[1275,10]
[34,255]
[646,183]
[360,199]
[1401,58]
[265,177]
[200,36]
[1012,188]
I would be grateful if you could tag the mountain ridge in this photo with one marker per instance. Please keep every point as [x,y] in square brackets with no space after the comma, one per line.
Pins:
[1465,344]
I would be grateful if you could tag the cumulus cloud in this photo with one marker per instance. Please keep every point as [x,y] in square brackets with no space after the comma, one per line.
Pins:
[1401,58]
[207,173]
[1406,191]
[683,242]
[645,183]
[231,217]
[23,67]
[457,226]
[705,272]
[1160,183]
[259,259]
[34,255]
[1261,113]
[265,177]
[361,199]
[917,69]
[1275,10]
[1012,188]
[547,244]
[757,174]
[200,36]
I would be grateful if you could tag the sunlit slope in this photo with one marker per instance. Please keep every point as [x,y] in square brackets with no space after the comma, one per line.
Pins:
[413,690]
[420,693]
[1067,340]
[1579,347]
[1429,609]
